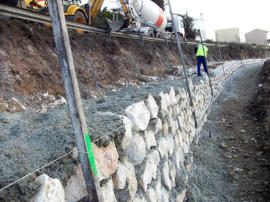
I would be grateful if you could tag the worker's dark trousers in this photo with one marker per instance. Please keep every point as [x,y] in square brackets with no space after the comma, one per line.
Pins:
[201,59]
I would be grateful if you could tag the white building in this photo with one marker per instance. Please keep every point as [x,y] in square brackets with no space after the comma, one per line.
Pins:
[199,25]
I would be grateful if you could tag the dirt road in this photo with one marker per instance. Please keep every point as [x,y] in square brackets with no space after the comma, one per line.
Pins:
[229,163]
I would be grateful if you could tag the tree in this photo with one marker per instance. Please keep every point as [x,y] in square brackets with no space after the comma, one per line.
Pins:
[160,3]
[190,32]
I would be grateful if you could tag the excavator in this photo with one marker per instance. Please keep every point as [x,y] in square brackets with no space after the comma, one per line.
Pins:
[143,12]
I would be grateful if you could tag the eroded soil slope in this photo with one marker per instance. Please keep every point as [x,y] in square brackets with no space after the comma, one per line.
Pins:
[29,65]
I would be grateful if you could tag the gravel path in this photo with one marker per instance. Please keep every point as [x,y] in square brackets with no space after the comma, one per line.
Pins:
[228,165]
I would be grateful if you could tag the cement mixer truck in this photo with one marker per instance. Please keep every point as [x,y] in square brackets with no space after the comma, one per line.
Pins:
[138,15]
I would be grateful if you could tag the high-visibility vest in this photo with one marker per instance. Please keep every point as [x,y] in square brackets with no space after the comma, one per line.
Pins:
[200,51]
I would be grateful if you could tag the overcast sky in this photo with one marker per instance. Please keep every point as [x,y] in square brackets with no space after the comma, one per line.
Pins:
[245,14]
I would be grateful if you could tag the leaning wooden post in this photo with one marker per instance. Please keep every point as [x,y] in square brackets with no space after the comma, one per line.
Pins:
[181,58]
[73,96]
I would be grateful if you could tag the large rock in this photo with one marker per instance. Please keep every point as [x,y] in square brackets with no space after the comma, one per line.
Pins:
[164,195]
[151,195]
[150,139]
[164,102]
[75,188]
[173,100]
[51,190]
[136,151]
[170,143]
[163,147]
[120,177]
[128,132]
[106,192]
[150,171]
[165,176]
[172,173]
[152,106]
[139,115]
[158,126]
[131,178]
[181,196]
[106,160]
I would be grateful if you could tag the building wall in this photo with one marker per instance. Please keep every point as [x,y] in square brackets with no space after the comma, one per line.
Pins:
[257,36]
[228,35]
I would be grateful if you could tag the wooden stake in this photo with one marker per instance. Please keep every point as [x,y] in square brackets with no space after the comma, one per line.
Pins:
[72,92]
[181,57]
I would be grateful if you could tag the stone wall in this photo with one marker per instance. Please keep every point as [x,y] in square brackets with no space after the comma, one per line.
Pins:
[152,159]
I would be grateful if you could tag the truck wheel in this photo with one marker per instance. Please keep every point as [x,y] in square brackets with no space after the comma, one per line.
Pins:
[79,17]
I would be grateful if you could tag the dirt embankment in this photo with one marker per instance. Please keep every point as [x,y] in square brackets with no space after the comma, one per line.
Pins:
[29,65]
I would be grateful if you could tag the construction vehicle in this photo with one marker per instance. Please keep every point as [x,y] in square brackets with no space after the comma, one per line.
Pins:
[137,15]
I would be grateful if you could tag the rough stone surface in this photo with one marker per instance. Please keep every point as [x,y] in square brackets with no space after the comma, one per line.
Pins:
[152,106]
[150,170]
[136,151]
[172,172]
[150,139]
[128,134]
[173,100]
[131,178]
[164,195]
[50,190]
[139,115]
[163,147]
[75,188]
[165,176]
[107,193]
[181,196]
[151,195]
[120,177]
[158,126]
[106,160]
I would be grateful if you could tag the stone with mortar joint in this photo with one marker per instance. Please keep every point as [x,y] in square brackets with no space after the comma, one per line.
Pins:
[136,151]
[75,188]
[106,192]
[150,170]
[151,195]
[166,176]
[131,178]
[152,106]
[106,160]
[139,115]
[150,139]
[128,132]
[50,190]
[120,177]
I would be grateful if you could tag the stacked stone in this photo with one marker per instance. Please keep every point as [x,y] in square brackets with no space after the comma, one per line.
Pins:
[154,158]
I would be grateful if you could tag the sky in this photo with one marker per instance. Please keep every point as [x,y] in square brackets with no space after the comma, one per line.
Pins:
[244,14]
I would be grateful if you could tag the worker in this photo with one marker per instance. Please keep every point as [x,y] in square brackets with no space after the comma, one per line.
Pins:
[201,54]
